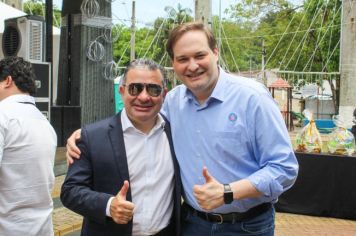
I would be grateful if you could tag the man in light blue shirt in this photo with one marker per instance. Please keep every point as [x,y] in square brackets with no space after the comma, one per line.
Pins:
[231,142]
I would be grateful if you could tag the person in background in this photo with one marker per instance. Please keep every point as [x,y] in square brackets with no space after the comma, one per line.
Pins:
[353,129]
[231,143]
[27,150]
[127,180]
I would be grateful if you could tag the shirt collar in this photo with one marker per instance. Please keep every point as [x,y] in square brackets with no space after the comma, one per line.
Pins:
[19,98]
[127,124]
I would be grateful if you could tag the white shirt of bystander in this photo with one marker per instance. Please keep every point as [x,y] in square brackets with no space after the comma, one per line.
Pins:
[27,150]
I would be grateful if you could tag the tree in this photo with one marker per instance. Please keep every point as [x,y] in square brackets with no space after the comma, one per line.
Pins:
[253,11]
[37,7]
[297,38]
[161,29]
[179,15]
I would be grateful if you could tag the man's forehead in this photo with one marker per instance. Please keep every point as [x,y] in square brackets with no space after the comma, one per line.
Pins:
[144,73]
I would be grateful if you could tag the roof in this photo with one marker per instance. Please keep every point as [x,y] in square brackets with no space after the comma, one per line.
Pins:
[280,83]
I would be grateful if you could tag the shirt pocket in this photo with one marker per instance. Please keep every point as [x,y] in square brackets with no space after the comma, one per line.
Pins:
[228,146]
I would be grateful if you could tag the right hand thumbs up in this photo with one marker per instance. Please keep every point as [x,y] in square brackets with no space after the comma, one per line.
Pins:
[123,191]
[121,210]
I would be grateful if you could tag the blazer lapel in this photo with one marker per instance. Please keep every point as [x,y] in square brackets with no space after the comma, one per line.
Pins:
[118,146]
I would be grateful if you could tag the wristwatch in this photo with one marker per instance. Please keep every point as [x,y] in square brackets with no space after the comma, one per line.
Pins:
[228,194]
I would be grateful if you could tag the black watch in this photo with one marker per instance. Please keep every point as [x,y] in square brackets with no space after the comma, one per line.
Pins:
[228,194]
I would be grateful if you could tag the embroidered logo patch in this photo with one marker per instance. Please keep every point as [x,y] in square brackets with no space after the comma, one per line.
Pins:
[232,117]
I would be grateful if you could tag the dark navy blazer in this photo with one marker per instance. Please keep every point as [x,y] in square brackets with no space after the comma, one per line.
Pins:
[100,173]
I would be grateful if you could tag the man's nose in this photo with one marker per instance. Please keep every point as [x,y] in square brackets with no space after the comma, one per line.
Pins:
[143,96]
[193,65]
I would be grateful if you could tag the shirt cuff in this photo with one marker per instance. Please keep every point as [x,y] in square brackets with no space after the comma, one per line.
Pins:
[108,207]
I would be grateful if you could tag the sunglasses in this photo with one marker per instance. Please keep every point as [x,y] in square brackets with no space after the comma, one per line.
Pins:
[134,89]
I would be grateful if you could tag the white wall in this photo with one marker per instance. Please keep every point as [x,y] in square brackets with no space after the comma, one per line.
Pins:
[6,12]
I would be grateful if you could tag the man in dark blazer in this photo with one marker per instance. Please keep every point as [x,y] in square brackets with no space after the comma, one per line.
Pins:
[127,180]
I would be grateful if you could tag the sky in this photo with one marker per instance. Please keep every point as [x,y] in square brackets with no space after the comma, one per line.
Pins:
[148,10]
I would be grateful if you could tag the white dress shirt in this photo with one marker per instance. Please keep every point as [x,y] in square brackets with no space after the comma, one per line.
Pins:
[27,149]
[151,173]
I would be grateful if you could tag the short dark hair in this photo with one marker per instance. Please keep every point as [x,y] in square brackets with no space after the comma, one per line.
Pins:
[147,64]
[21,72]
[180,30]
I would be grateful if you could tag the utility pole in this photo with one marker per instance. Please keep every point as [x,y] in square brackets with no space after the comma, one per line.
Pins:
[264,79]
[203,12]
[133,31]
[220,27]
[49,41]
[348,59]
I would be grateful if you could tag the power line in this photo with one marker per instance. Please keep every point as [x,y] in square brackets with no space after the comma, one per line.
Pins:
[294,32]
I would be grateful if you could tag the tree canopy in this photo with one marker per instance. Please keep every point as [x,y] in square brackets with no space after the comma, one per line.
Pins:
[37,7]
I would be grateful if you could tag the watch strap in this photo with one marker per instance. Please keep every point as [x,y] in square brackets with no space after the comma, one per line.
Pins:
[228,194]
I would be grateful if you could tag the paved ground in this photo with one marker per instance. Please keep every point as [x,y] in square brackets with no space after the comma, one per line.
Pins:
[66,222]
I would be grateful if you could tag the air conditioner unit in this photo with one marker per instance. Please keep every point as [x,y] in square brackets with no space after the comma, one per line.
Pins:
[24,37]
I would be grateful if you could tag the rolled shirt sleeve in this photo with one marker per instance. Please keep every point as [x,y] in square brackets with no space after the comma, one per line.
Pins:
[273,150]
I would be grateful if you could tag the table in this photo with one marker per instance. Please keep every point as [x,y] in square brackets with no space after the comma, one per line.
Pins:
[326,186]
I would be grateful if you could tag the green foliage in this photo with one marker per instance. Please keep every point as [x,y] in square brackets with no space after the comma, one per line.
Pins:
[38,7]
[150,42]
[254,10]
[297,38]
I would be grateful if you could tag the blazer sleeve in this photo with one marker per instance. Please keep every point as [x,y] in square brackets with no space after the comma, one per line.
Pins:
[77,193]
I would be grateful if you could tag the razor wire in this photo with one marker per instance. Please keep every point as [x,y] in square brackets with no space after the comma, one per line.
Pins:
[96,53]
[111,33]
[90,8]
[95,50]
[111,70]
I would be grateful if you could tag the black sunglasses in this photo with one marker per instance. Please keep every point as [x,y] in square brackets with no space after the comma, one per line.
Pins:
[154,90]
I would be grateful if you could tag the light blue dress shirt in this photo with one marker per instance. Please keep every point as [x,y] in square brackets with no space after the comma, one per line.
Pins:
[238,133]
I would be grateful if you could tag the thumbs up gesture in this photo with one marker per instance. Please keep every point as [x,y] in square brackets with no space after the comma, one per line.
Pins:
[211,194]
[121,210]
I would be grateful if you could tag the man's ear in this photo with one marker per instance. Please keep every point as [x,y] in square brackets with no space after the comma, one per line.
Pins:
[8,81]
[164,93]
[121,90]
